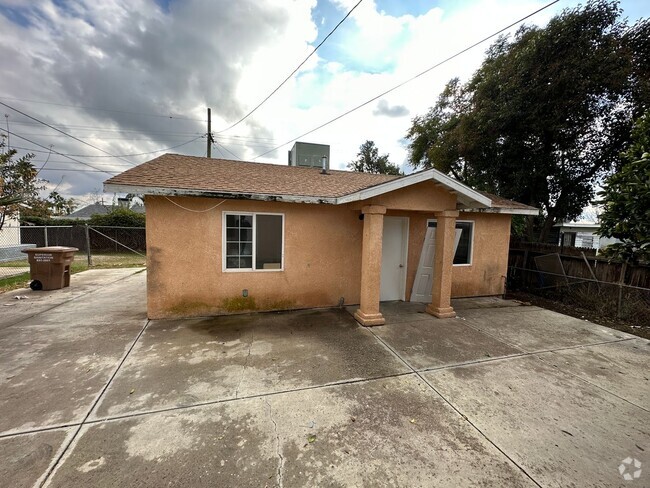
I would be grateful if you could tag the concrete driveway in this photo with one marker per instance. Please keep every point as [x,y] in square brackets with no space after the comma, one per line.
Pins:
[93,394]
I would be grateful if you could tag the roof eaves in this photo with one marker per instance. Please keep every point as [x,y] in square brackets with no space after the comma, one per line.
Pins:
[466,194]
[150,190]
[504,210]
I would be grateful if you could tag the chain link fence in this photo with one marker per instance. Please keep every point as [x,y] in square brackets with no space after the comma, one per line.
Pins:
[100,247]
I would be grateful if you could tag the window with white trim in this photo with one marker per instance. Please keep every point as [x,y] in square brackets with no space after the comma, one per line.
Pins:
[253,241]
[463,254]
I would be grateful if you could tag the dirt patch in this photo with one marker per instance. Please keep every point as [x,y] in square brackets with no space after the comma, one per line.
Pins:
[580,313]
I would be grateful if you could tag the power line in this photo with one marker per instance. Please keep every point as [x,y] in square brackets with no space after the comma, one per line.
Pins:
[227,150]
[50,150]
[102,109]
[123,155]
[102,129]
[78,170]
[235,142]
[142,131]
[409,80]
[97,165]
[218,149]
[168,138]
[56,152]
[48,158]
[64,133]
[57,186]
[293,72]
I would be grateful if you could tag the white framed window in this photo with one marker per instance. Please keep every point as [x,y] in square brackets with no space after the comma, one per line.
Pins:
[464,251]
[253,241]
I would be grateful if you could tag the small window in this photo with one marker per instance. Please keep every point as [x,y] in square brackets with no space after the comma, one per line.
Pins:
[253,241]
[464,250]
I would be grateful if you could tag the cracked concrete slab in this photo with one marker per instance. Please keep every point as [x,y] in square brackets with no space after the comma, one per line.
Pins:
[619,367]
[55,364]
[183,362]
[483,302]
[560,429]
[552,412]
[434,342]
[398,312]
[13,310]
[388,432]
[534,329]
[25,458]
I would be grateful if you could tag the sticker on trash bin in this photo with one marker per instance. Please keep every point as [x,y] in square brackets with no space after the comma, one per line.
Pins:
[43,257]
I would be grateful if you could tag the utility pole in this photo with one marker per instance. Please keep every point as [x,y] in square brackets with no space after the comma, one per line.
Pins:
[209,133]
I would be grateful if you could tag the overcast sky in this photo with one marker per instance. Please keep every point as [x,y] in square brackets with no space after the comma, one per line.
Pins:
[135,76]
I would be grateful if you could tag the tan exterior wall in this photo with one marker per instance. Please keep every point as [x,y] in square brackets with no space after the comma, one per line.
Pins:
[322,259]
[423,197]
[322,254]
[486,275]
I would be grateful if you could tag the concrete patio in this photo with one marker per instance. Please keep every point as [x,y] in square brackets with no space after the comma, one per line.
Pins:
[94,394]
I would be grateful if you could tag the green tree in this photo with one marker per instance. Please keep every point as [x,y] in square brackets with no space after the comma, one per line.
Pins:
[369,161]
[546,115]
[18,183]
[626,200]
[59,205]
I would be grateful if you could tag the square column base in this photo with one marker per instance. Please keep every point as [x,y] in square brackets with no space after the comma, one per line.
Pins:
[368,320]
[441,312]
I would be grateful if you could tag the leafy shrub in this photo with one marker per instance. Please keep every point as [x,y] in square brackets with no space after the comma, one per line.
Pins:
[119,217]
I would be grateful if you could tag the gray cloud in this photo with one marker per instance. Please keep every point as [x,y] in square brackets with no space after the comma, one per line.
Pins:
[383,108]
[136,59]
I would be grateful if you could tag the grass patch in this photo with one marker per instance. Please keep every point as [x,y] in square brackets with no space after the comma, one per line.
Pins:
[113,260]
[14,282]
[19,263]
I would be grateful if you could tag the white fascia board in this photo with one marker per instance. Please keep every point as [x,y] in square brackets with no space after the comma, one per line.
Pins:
[171,192]
[501,210]
[461,189]
[577,225]
[382,188]
[463,192]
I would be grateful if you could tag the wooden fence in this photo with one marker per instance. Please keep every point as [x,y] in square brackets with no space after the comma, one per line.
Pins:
[581,280]
[577,263]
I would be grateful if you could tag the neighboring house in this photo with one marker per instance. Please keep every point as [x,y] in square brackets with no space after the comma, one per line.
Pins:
[10,232]
[88,211]
[582,234]
[10,241]
[226,236]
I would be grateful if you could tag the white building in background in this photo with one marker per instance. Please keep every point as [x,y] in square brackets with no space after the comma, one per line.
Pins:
[10,232]
[582,233]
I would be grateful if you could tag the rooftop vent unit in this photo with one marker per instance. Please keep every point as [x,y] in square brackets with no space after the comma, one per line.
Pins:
[308,155]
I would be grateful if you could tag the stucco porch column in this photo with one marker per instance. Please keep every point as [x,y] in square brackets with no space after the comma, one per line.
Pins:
[443,260]
[373,227]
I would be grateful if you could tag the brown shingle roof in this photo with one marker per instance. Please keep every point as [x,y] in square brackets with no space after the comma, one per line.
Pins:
[199,174]
[500,202]
[223,175]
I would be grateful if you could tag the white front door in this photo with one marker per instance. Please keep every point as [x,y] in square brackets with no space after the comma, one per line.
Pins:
[393,258]
[424,278]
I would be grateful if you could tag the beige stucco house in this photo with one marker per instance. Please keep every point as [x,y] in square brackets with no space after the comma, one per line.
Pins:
[227,236]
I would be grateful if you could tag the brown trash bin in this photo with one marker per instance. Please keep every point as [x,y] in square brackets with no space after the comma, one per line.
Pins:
[49,267]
